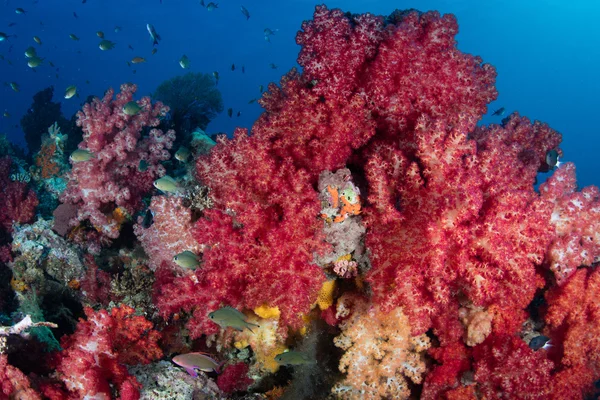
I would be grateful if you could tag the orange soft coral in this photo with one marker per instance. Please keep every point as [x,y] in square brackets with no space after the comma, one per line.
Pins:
[381,355]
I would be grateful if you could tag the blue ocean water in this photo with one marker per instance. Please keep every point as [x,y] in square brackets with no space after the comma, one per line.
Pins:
[545,52]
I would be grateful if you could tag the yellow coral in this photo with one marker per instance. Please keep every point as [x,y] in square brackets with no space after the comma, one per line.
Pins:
[267,312]
[18,285]
[241,344]
[325,299]
[265,341]
[120,215]
[346,257]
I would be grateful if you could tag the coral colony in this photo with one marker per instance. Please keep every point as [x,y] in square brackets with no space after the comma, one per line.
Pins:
[366,233]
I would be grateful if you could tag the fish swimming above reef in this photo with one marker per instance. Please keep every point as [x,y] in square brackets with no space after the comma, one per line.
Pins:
[70,91]
[187,259]
[229,317]
[167,184]
[153,35]
[499,112]
[193,361]
[81,155]
[540,342]
[106,45]
[293,358]
[132,108]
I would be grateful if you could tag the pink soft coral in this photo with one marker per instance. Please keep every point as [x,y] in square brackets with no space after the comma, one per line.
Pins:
[576,222]
[170,233]
[114,177]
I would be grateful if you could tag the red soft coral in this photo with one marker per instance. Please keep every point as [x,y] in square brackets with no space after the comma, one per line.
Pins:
[13,383]
[505,367]
[441,224]
[573,323]
[234,378]
[18,201]
[92,358]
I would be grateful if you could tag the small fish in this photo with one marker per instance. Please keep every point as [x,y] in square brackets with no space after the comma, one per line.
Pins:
[238,113]
[540,342]
[131,108]
[202,3]
[166,184]
[37,40]
[182,154]
[193,361]
[153,35]
[187,260]
[230,112]
[75,14]
[268,33]
[73,37]
[148,219]
[14,86]
[81,155]
[70,91]
[130,47]
[261,88]
[143,165]
[19,11]
[106,45]
[273,66]
[211,6]
[216,75]
[52,65]
[154,50]
[243,69]
[137,60]
[293,358]
[233,67]
[245,12]
[100,34]
[184,62]
[499,112]
[229,317]
[12,24]
[4,36]
[117,29]
[6,114]
[552,158]
[251,101]
[34,62]
[30,52]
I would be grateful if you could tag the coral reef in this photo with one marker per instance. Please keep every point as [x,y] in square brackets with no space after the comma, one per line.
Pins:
[366,227]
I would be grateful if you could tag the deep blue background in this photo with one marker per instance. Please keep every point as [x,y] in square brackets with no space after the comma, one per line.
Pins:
[546,54]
